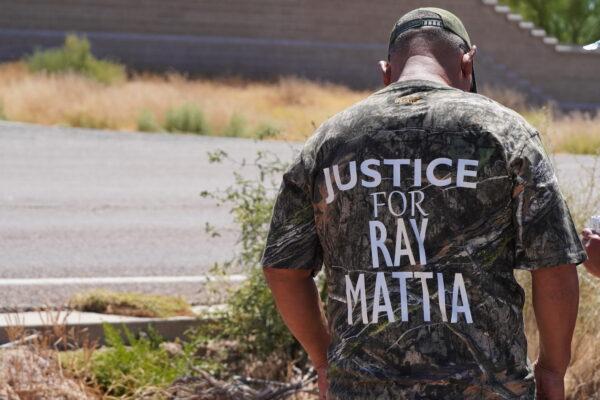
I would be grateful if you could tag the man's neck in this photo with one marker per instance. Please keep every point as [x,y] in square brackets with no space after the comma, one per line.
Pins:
[420,67]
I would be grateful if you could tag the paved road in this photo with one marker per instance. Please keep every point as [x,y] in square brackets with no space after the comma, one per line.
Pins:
[80,203]
[89,204]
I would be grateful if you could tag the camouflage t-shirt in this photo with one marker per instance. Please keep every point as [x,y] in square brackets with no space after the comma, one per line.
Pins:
[420,201]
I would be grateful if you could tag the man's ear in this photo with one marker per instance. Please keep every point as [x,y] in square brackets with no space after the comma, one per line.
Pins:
[466,64]
[386,72]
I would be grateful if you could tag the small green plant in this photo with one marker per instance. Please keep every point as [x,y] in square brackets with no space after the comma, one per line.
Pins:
[266,131]
[132,304]
[146,122]
[129,364]
[187,118]
[2,113]
[75,56]
[235,127]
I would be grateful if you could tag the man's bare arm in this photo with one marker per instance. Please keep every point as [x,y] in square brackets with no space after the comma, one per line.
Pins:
[298,302]
[555,302]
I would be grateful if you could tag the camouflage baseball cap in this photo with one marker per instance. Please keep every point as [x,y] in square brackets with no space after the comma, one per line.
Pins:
[445,19]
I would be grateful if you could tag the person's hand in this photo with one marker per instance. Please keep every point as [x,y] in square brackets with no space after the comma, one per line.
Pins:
[591,241]
[549,385]
[322,382]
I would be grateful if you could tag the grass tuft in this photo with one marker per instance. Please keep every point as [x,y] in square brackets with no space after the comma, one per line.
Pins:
[85,120]
[75,56]
[130,304]
[187,118]
[235,127]
[266,131]
[146,122]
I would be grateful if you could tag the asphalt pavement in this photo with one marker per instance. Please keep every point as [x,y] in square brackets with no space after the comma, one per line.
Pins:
[90,204]
[83,208]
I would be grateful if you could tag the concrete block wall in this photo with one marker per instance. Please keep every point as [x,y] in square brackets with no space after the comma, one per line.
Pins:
[332,40]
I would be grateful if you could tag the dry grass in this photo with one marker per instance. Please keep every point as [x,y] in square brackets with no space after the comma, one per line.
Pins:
[574,132]
[30,367]
[583,377]
[293,106]
[26,373]
[582,381]
[131,304]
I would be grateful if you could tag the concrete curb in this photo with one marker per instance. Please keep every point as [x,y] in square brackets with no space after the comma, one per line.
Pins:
[83,327]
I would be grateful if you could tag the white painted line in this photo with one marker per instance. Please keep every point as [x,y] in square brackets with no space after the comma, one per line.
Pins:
[121,280]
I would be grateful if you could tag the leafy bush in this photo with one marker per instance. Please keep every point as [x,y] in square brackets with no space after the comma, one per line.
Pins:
[571,21]
[147,123]
[75,56]
[133,304]
[187,118]
[236,126]
[251,316]
[122,370]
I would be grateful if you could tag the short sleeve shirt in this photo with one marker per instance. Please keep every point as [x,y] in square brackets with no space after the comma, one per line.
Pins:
[418,203]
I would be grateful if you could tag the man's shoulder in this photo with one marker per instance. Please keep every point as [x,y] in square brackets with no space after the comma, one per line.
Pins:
[345,122]
[445,110]
[450,107]
[475,113]
[473,109]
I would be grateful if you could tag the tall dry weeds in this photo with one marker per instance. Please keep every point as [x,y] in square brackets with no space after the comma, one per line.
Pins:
[291,105]
[30,367]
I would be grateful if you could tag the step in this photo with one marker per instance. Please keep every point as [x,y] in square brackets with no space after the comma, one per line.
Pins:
[514,17]
[538,32]
[526,25]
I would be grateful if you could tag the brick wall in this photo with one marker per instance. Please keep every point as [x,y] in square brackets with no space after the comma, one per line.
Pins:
[334,40]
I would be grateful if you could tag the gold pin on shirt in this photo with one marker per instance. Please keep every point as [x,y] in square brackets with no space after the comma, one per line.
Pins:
[408,100]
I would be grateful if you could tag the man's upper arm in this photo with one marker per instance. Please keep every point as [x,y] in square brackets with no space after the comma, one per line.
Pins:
[292,242]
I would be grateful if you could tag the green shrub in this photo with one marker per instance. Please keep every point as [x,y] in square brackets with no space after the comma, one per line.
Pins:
[251,317]
[75,56]
[147,123]
[122,370]
[187,118]
[133,304]
[266,131]
[235,128]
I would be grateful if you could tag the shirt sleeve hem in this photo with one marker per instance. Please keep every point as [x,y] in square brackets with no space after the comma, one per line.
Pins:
[553,261]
